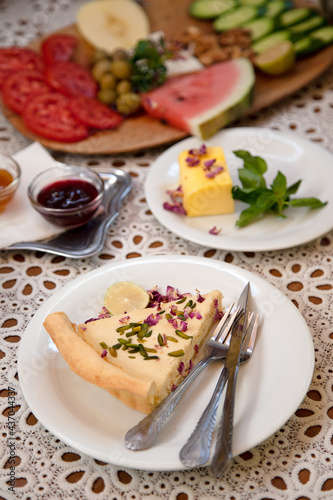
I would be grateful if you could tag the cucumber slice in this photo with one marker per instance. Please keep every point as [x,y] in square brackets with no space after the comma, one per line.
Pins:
[270,40]
[236,17]
[307,45]
[324,35]
[260,27]
[294,16]
[307,26]
[258,3]
[210,9]
[276,7]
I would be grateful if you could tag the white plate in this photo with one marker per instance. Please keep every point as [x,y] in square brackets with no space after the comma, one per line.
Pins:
[297,158]
[270,386]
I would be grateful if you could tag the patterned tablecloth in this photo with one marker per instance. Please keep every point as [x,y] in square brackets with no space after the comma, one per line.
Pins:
[296,462]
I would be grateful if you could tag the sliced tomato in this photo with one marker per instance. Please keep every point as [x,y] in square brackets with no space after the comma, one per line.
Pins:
[71,79]
[20,87]
[94,113]
[58,47]
[48,115]
[14,59]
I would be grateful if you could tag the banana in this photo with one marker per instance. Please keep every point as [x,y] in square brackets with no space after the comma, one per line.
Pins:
[112,24]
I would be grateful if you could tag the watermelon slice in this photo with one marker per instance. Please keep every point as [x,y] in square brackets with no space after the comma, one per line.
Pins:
[202,103]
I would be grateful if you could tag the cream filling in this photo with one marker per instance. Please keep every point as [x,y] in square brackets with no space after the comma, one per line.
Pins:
[166,370]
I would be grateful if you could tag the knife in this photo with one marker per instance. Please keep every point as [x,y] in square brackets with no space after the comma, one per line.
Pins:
[223,449]
[196,451]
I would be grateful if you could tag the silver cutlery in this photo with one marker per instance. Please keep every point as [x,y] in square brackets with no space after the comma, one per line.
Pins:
[223,447]
[143,435]
[196,451]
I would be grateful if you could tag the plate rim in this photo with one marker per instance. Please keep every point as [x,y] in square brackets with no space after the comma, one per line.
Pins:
[171,221]
[136,463]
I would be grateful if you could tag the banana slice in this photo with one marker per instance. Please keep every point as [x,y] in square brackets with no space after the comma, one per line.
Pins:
[112,24]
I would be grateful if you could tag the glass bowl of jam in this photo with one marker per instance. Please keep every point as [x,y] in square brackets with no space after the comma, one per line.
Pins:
[10,175]
[66,195]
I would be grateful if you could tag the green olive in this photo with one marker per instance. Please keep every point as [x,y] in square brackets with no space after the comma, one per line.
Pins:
[119,54]
[107,81]
[107,95]
[123,87]
[99,68]
[128,103]
[97,55]
[121,69]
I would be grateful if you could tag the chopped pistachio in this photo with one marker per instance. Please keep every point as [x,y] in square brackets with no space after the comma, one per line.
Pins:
[172,339]
[123,328]
[177,354]
[180,301]
[122,341]
[183,335]
[103,345]
[142,351]
[160,339]
[113,352]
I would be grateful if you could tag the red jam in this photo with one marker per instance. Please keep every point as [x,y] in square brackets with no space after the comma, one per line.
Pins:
[75,199]
[67,194]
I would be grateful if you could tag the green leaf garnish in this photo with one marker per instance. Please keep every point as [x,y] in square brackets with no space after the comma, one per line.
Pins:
[264,200]
[148,68]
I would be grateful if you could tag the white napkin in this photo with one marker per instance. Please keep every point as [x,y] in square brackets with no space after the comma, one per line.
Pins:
[20,222]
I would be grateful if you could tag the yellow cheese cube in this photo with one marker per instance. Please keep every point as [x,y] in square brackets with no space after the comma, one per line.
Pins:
[206,185]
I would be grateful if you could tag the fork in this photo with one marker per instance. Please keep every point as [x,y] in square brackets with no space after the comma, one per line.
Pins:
[142,436]
[196,451]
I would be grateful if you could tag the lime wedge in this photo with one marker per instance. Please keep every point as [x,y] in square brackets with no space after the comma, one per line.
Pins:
[276,60]
[124,297]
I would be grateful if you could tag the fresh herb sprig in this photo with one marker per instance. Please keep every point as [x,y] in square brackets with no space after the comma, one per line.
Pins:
[148,68]
[262,199]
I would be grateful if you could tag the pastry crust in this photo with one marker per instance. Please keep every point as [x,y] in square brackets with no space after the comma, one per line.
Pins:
[89,365]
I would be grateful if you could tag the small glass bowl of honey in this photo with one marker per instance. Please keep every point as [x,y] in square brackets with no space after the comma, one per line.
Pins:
[10,175]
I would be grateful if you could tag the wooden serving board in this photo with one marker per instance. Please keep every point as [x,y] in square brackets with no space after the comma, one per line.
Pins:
[140,132]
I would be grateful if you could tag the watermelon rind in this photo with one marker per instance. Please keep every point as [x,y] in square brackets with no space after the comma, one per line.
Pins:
[206,124]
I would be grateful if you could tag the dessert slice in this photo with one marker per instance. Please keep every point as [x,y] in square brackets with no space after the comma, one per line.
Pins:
[138,357]
[206,182]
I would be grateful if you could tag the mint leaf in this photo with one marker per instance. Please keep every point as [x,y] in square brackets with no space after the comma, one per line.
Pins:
[293,188]
[279,185]
[307,202]
[263,204]
[249,197]
[261,199]
[253,163]
[250,180]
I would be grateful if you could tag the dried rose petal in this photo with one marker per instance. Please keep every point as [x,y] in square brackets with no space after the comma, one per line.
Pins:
[213,173]
[176,208]
[152,320]
[214,230]
[209,163]
[192,161]
[181,368]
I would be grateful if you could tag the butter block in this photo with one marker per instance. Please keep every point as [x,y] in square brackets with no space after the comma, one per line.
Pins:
[206,182]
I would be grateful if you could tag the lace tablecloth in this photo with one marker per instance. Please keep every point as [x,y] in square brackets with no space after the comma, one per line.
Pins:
[296,462]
